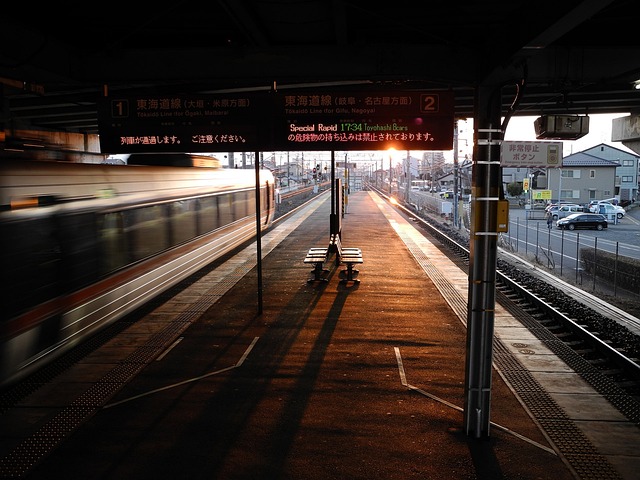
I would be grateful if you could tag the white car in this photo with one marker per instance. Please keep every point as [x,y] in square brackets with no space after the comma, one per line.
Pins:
[594,204]
[606,208]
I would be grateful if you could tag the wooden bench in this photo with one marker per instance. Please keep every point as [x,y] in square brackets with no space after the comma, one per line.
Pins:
[317,256]
[348,256]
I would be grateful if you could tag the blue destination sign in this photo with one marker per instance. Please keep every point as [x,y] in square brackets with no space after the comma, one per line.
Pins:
[272,121]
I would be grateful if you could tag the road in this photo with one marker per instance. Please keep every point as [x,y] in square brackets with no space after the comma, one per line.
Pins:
[622,237]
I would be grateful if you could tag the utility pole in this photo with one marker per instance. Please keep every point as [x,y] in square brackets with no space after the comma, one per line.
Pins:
[390,176]
[431,168]
[346,173]
[559,185]
[455,174]
[407,183]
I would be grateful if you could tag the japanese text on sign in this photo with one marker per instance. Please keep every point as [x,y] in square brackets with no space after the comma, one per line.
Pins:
[366,121]
[370,134]
[531,154]
[176,107]
[175,140]
[261,121]
[174,123]
[359,137]
[366,104]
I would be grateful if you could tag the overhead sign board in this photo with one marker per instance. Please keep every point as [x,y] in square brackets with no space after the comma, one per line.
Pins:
[404,120]
[176,123]
[625,129]
[271,121]
[527,154]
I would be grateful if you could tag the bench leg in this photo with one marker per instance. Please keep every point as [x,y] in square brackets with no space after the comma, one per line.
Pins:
[317,273]
[350,271]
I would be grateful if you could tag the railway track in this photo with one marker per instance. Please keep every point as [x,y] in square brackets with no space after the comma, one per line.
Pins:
[598,340]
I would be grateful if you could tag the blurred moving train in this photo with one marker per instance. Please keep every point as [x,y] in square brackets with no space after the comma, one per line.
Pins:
[81,245]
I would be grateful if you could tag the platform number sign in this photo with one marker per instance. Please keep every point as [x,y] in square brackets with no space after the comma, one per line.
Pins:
[429,103]
[120,108]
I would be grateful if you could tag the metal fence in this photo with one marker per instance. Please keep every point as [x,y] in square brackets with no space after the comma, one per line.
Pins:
[591,261]
[588,260]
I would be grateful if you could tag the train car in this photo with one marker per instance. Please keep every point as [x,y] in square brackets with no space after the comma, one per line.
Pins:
[82,245]
[173,160]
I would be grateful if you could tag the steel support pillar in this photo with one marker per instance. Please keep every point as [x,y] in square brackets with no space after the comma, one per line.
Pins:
[483,243]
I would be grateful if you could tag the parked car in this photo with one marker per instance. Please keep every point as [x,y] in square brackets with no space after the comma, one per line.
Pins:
[551,209]
[606,208]
[612,201]
[583,220]
[593,204]
[556,205]
[565,210]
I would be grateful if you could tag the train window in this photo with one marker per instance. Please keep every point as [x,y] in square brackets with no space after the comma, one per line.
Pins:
[30,255]
[245,204]
[80,259]
[225,209]
[250,202]
[183,220]
[146,230]
[208,216]
[241,205]
[112,241]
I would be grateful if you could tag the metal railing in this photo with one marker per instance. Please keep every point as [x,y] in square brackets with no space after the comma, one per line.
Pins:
[592,261]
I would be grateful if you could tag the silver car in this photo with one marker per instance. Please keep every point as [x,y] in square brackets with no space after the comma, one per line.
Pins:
[565,210]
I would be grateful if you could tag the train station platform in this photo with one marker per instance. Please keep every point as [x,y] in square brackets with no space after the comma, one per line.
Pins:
[332,380]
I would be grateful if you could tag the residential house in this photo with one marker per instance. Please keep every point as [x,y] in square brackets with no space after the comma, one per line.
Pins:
[626,181]
[447,179]
[596,173]
[583,177]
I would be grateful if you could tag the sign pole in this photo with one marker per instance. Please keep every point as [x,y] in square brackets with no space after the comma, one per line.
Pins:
[258,234]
